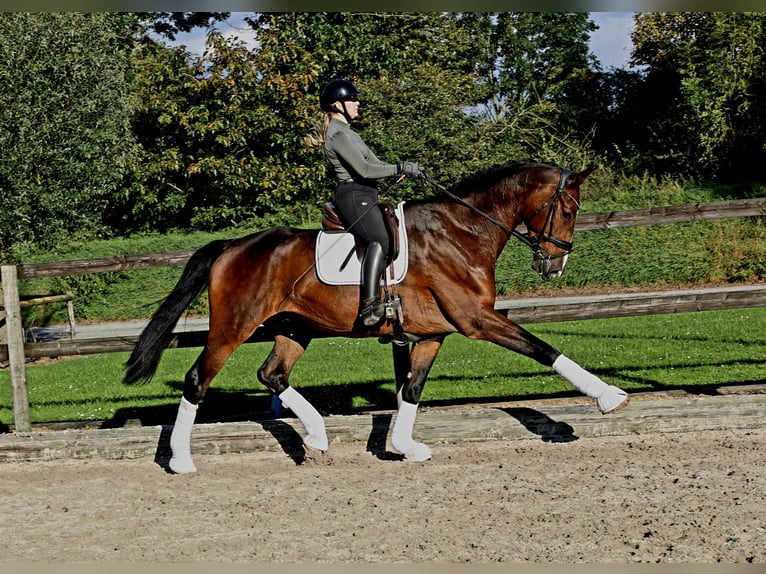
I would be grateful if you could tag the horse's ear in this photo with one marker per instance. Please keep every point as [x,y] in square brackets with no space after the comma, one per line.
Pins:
[577,178]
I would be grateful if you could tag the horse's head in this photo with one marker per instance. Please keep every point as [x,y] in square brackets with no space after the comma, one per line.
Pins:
[549,213]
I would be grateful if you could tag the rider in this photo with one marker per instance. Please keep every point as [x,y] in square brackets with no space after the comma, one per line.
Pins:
[356,199]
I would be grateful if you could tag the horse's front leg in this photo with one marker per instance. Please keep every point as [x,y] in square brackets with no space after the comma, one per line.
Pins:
[500,330]
[410,386]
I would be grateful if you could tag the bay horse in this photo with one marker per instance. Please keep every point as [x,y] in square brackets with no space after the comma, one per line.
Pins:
[266,281]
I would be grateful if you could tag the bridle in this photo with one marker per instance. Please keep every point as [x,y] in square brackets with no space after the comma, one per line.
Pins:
[545,235]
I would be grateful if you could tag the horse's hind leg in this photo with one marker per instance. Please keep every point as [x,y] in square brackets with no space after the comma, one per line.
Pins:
[408,395]
[198,378]
[275,372]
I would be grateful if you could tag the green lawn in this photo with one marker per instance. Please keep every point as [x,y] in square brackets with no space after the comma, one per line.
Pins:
[340,376]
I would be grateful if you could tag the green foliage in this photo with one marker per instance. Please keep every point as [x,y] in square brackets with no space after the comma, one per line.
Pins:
[64,132]
[221,137]
[651,256]
[536,60]
[169,24]
[447,142]
[699,252]
[699,107]
[219,140]
[109,131]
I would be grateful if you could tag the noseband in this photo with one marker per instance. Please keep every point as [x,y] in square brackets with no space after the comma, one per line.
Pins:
[534,243]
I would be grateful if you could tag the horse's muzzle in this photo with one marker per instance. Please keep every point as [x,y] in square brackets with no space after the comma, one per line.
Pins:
[549,266]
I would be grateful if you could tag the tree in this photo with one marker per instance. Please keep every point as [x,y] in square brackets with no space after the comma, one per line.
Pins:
[64,130]
[168,24]
[542,90]
[708,69]
[221,137]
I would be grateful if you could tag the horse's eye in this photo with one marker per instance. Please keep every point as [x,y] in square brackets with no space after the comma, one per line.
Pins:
[567,216]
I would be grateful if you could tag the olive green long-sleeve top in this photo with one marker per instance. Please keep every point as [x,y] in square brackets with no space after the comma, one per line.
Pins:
[349,156]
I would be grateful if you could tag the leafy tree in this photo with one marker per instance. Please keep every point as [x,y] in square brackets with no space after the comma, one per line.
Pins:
[542,91]
[213,133]
[423,77]
[221,137]
[64,133]
[706,70]
[168,24]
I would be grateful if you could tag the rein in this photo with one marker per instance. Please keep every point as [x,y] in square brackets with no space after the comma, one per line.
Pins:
[532,242]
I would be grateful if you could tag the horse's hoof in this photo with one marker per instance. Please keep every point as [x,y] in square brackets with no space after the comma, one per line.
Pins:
[182,465]
[318,443]
[418,453]
[612,400]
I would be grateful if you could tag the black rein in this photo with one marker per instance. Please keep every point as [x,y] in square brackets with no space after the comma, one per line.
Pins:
[532,242]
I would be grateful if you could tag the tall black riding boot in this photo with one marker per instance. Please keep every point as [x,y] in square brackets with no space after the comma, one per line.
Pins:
[371,308]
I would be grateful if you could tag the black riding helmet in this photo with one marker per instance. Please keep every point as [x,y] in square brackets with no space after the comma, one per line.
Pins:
[337,90]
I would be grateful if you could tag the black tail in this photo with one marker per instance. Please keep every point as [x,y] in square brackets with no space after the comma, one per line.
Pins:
[156,336]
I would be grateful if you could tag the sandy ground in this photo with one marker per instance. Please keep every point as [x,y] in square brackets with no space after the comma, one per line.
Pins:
[673,497]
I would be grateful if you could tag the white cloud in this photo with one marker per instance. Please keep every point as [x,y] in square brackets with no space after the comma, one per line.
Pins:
[611,43]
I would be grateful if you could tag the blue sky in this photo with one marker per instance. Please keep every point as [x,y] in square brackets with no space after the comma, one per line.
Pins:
[610,43]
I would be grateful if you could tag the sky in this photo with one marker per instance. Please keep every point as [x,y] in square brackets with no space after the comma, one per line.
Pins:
[610,43]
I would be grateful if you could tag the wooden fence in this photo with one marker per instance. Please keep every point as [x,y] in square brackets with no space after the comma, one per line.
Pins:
[529,310]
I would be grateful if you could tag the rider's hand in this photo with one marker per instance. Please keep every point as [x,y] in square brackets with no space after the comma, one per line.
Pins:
[411,169]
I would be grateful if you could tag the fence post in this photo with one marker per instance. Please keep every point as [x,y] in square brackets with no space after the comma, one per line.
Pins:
[15,333]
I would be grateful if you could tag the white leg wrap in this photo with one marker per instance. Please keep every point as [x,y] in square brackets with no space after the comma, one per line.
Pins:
[312,421]
[401,436]
[608,397]
[180,438]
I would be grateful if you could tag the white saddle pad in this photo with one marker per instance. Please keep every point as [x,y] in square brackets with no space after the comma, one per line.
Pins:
[338,262]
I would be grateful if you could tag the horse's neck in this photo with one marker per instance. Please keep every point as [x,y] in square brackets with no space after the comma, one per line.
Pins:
[498,214]
[461,228]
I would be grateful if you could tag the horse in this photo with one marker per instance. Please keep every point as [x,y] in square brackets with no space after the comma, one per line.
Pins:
[266,282]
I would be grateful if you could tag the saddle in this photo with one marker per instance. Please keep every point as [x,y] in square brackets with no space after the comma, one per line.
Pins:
[331,223]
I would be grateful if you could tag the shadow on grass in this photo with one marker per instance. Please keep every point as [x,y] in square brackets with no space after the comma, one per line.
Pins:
[222,405]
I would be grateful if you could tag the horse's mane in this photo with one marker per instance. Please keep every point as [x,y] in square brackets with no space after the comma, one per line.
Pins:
[489,176]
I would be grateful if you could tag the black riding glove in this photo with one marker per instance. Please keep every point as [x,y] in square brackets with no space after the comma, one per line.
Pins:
[411,169]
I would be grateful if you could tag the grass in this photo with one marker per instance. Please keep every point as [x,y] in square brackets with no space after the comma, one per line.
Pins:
[699,351]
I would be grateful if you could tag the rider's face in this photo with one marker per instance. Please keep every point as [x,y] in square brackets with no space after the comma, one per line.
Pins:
[352,107]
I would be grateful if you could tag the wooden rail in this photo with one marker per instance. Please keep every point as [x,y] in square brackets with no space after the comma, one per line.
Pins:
[672,214]
[548,309]
[521,310]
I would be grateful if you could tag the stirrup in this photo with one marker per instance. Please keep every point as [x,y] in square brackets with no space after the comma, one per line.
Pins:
[371,311]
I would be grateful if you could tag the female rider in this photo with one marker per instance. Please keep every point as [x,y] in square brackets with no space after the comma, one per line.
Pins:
[355,168]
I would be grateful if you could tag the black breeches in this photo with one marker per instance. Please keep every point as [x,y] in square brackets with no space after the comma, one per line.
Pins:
[357,207]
